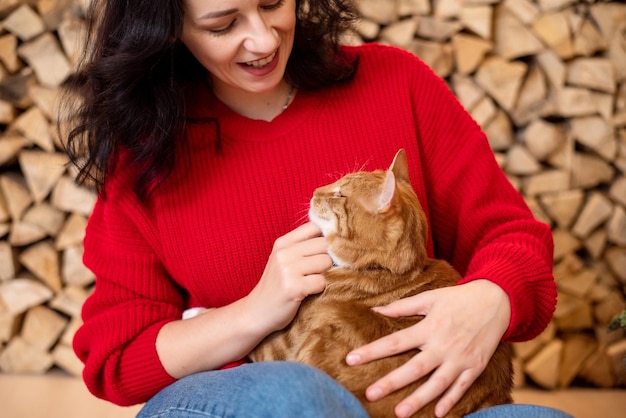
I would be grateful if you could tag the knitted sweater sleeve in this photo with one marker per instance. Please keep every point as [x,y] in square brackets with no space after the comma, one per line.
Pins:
[480,222]
[133,298]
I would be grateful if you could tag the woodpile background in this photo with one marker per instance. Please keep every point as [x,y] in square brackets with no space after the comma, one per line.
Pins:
[546,79]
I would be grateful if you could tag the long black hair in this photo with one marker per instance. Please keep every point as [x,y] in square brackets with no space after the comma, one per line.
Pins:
[127,89]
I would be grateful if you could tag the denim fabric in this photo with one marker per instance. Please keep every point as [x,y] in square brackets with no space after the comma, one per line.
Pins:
[519,411]
[257,390]
[280,390]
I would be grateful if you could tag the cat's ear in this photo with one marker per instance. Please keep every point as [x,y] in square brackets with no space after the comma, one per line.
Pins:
[386,194]
[400,167]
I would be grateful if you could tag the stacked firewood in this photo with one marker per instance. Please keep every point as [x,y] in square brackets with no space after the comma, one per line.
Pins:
[546,79]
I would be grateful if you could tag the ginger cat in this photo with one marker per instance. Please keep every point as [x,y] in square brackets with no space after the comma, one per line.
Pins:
[377,232]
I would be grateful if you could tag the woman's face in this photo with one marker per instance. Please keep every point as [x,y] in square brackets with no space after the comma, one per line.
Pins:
[244,44]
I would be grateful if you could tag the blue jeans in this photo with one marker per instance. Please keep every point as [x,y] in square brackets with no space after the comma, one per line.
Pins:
[280,390]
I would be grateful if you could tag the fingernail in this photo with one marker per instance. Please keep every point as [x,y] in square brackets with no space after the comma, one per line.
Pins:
[403,410]
[374,394]
[353,359]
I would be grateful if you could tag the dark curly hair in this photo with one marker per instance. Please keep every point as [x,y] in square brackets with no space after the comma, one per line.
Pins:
[130,79]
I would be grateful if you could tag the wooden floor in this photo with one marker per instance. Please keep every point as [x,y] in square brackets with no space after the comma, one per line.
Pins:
[61,396]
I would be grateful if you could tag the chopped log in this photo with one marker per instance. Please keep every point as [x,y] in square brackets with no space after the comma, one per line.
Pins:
[70,330]
[42,170]
[574,101]
[46,217]
[42,327]
[608,307]
[413,7]
[8,53]
[527,349]
[577,348]
[617,355]
[469,51]
[10,326]
[70,197]
[8,261]
[573,278]
[502,80]
[73,270]
[433,28]
[544,138]
[596,243]
[42,260]
[563,207]
[45,57]
[24,23]
[512,37]
[596,211]
[10,146]
[546,182]
[593,73]
[564,243]
[16,195]
[34,126]
[437,55]
[532,97]
[19,295]
[499,131]
[524,10]
[400,33]
[72,232]
[521,162]
[46,99]
[66,359]
[543,368]
[484,111]
[595,133]
[477,19]
[24,233]
[69,300]
[21,357]
[598,370]
[467,91]
[379,11]
[616,227]
[553,30]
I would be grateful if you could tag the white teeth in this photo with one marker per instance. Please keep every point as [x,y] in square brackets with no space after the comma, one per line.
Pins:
[263,62]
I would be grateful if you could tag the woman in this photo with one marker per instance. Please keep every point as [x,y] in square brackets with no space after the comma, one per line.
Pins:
[207,125]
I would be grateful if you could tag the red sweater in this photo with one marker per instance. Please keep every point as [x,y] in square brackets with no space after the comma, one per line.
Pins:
[209,229]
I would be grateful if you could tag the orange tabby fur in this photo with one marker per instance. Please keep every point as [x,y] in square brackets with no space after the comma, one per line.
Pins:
[377,231]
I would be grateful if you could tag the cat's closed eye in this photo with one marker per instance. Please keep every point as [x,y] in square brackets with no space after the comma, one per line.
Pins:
[337,193]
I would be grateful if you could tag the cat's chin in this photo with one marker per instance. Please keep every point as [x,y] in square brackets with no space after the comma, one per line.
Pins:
[337,262]
[327,226]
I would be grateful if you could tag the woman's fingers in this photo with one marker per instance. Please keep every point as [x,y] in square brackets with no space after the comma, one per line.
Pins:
[302,233]
[456,392]
[417,367]
[387,346]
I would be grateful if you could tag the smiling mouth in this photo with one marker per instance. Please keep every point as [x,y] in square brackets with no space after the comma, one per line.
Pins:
[262,62]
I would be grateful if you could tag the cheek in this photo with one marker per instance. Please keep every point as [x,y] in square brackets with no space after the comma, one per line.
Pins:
[212,52]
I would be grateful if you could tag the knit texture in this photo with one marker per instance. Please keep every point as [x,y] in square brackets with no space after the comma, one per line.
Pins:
[206,235]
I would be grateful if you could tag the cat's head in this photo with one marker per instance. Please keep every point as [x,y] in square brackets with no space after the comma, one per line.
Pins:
[373,219]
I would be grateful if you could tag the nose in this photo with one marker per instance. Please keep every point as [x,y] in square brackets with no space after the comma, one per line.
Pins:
[262,37]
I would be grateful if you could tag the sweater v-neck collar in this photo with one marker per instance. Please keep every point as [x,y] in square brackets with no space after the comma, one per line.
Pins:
[203,104]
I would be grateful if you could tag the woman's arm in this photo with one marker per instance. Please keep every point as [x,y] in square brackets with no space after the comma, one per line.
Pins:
[133,341]
[223,335]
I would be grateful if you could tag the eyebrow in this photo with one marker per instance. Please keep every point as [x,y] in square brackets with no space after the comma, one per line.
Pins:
[221,13]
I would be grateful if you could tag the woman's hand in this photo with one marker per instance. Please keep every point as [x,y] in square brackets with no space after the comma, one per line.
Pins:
[458,336]
[294,270]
